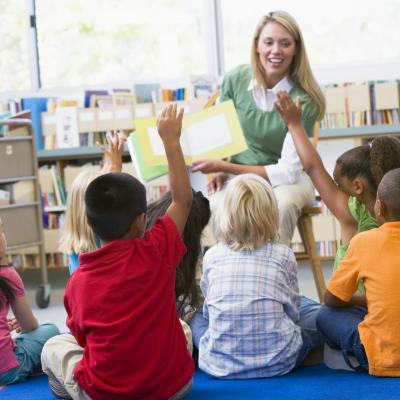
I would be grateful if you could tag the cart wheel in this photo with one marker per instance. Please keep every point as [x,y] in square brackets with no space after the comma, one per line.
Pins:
[43,296]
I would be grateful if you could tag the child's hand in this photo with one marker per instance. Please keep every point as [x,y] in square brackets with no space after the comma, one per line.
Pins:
[289,112]
[13,325]
[112,157]
[169,124]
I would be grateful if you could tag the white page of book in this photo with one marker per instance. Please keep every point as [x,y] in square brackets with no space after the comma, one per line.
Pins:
[157,145]
[208,134]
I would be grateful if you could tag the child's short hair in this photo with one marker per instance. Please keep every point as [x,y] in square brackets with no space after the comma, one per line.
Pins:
[113,201]
[77,236]
[247,217]
[389,192]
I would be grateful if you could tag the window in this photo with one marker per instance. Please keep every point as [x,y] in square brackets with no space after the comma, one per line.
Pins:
[336,33]
[14,64]
[103,41]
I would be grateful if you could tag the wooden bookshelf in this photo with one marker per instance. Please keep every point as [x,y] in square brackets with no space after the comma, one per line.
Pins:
[362,131]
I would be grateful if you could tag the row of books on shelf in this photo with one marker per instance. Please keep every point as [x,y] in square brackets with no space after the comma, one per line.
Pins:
[70,122]
[17,193]
[32,261]
[326,248]
[73,126]
[52,186]
[353,105]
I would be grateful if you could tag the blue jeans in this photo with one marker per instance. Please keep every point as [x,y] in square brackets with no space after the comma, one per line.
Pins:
[339,327]
[28,350]
[309,332]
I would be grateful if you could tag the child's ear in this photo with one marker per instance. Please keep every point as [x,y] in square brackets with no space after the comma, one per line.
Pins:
[380,210]
[358,186]
[140,225]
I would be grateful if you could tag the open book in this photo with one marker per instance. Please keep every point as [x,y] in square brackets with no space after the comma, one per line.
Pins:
[214,132]
[145,173]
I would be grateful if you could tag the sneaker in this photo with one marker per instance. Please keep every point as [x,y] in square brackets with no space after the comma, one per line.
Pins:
[56,388]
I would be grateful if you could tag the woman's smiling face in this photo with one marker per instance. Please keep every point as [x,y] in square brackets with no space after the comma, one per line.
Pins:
[276,48]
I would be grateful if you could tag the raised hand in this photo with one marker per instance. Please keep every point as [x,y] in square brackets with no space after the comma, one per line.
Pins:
[112,156]
[169,124]
[289,112]
[217,182]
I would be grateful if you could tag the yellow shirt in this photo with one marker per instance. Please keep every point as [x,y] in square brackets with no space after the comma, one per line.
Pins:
[374,257]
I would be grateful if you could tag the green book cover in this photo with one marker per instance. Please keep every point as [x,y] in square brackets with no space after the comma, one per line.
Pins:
[145,173]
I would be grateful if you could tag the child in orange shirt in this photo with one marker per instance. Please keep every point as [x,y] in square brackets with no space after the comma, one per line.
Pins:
[370,335]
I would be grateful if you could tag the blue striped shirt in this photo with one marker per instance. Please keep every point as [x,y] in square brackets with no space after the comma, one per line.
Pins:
[252,304]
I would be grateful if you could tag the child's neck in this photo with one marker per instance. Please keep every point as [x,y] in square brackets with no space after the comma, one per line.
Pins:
[369,202]
[3,260]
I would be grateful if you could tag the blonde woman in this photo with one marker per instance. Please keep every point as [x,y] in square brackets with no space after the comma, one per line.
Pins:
[254,323]
[77,237]
[278,62]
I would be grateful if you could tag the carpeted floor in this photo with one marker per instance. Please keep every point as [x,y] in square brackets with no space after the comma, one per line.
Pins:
[308,383]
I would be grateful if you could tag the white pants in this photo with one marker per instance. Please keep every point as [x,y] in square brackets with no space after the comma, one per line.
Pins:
[291,200]
[61,355]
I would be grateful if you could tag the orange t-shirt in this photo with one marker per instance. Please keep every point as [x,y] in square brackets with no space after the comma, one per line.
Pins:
[374,257]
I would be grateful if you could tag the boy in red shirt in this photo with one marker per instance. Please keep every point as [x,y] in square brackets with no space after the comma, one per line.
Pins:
[127,340]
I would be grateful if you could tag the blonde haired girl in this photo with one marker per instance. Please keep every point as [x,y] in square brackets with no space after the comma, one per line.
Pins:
[248,215]
[254,323]
[278,62]
[77,237]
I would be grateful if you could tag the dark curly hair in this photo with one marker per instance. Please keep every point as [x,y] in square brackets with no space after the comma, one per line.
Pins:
[185,282]
[371,161]
[385,156]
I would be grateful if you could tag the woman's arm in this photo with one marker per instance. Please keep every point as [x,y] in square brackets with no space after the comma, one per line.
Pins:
[209,166]
[334,198]
[23,313]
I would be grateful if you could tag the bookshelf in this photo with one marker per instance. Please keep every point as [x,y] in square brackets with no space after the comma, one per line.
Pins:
[21,211]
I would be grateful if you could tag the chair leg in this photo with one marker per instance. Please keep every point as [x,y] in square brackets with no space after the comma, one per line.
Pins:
[307,235]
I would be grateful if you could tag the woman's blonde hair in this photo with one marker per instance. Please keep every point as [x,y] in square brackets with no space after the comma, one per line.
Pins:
[300,71]
[77,236]
[247,217]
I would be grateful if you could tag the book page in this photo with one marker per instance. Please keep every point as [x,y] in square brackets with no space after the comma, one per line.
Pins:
[209,134]
[157,145]
[155,141]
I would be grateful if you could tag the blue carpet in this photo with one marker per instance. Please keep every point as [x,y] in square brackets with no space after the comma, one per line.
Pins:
[309,383]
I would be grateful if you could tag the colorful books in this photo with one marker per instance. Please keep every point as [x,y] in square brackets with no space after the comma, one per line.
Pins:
[214,132]
[36,105]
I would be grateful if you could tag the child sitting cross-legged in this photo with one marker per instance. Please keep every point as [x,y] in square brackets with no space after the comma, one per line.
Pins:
[20,356]
[370,335]
[255,323]
[127,341]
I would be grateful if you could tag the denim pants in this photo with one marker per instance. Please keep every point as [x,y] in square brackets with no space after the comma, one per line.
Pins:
[309,332]
[28,350]
[339,328]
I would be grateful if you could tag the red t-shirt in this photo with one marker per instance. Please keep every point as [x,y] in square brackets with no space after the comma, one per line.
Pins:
[121,309]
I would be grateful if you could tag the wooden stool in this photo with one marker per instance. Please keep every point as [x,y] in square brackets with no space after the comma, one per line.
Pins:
[305,227]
